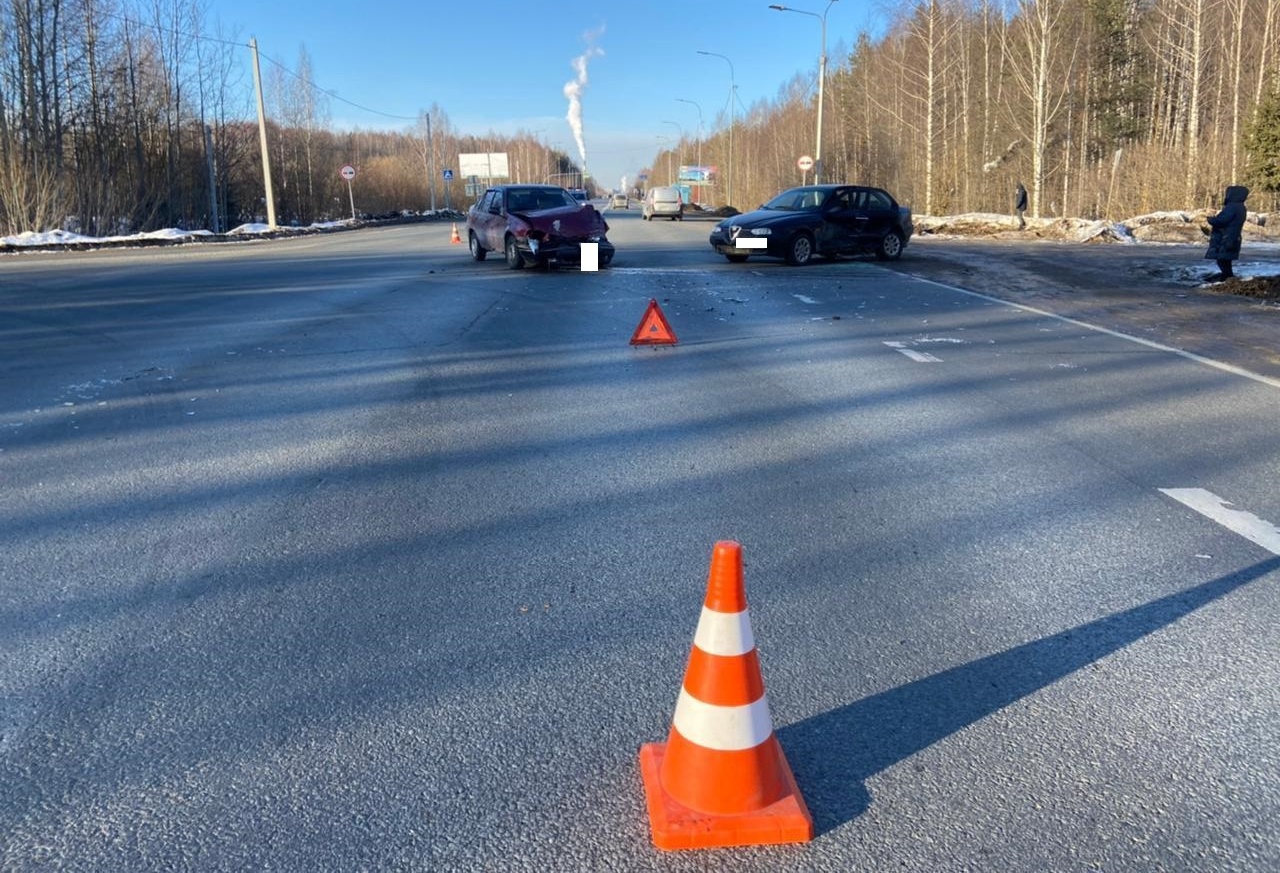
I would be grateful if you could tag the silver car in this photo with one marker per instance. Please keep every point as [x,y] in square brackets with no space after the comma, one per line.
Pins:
[665,202]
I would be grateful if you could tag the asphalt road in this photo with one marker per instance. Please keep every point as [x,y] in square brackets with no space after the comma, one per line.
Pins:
[347,552]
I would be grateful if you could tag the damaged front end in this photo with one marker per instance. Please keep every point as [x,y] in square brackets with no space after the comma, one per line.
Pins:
[554,237]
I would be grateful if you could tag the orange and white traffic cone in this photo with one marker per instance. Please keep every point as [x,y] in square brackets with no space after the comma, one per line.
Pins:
[721,778]
[455,239]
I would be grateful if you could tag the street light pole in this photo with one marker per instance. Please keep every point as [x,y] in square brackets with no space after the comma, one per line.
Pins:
[679,157]
[699,108]
[733,88]
[670,178]
[822,80]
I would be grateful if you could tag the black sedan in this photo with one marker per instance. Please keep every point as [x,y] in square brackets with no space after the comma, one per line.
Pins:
[827,220]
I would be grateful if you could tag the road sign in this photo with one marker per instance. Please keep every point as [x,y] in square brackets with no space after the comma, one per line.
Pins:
[448,175]
[805,162]
[348,172]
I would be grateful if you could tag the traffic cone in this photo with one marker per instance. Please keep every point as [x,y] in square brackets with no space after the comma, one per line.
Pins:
[455,239]
[721,778]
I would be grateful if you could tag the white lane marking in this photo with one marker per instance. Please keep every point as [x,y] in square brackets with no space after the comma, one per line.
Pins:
[1190,356]
[803,299]
[1246,524]
[919,357]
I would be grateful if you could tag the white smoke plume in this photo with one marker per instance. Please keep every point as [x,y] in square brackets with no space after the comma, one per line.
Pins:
[573,90]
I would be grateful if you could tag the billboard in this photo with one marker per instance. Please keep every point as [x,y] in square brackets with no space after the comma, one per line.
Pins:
[486,165]
[698,175]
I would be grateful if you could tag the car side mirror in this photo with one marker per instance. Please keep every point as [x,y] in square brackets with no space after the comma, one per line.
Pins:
[495,209]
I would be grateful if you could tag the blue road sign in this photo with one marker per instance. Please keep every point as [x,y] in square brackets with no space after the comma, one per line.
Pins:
[448,175]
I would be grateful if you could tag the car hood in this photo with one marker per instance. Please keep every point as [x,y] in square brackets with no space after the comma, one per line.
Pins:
[565,220]
[767,218]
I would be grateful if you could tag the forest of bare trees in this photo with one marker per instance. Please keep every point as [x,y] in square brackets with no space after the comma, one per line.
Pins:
[125,115]
[122,115]
[1103,108]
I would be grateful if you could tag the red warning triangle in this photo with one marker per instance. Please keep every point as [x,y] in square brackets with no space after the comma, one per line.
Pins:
[653,329]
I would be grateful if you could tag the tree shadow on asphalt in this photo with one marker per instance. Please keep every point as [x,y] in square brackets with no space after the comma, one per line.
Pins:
[833,754]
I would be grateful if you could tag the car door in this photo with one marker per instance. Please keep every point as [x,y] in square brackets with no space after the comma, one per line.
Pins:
[881,216]
[842,221]
[495,223]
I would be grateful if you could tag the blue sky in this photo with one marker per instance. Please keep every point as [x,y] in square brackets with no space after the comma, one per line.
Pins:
[502,66]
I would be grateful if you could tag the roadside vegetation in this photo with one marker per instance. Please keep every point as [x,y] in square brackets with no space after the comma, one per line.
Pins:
[121,116]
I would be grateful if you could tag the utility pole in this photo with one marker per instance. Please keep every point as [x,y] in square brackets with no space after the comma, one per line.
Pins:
[822,78]
[733,89]
[431,163]
[213,181]
[262,136]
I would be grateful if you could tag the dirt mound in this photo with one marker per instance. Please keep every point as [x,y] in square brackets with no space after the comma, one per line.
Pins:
[1259,287]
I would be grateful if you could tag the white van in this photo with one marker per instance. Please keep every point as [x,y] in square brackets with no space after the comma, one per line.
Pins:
[663,201]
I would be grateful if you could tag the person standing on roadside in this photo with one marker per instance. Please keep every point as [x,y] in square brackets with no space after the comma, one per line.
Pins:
[1020,205]
[1228,227]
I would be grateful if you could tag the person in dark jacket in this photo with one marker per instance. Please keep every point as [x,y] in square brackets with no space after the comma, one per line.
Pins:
[1020,204]
[1228,225]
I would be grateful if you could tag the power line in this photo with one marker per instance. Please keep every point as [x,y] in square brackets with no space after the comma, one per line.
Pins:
[310,84]
[333,95]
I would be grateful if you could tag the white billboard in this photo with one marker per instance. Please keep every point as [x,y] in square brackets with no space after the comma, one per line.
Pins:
[486,165]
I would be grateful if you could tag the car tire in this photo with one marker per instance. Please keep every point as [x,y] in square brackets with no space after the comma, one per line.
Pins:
[477,251]
[890,248]
[737,259]
[514,261]
[800,250]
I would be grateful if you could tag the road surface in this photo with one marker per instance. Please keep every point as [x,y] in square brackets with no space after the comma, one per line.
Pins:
[347,552]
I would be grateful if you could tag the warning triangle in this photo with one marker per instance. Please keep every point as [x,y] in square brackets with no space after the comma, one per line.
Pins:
[653,329]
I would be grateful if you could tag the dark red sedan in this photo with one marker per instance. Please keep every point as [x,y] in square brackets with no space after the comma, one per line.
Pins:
[535,225]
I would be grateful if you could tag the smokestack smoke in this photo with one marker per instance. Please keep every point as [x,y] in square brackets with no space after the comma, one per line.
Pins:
[573,91]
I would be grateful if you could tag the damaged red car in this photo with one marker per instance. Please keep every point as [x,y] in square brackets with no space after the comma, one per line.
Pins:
[539,225]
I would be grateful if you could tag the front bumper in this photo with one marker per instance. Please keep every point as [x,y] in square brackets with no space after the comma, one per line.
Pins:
[561,252]
[723,245]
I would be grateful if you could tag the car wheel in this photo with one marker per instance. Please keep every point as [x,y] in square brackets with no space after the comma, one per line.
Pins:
[737,259]
[800,250]
[477,250]
[514,261]
[890,247]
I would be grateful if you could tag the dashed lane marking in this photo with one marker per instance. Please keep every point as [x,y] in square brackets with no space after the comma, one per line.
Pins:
[803,299]
[920,357]
[1213,507]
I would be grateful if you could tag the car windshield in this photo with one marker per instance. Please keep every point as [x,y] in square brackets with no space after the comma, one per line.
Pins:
[533,199]
[797,200]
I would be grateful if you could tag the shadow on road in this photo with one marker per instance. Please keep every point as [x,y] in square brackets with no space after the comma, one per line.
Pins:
[834,753]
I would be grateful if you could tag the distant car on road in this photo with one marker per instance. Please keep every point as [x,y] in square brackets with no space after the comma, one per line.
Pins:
[579,194]
[619,201]
[535,225]
[826,220]
[663,200]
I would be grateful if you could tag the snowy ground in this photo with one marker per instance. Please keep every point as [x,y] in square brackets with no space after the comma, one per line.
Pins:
[54,238]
